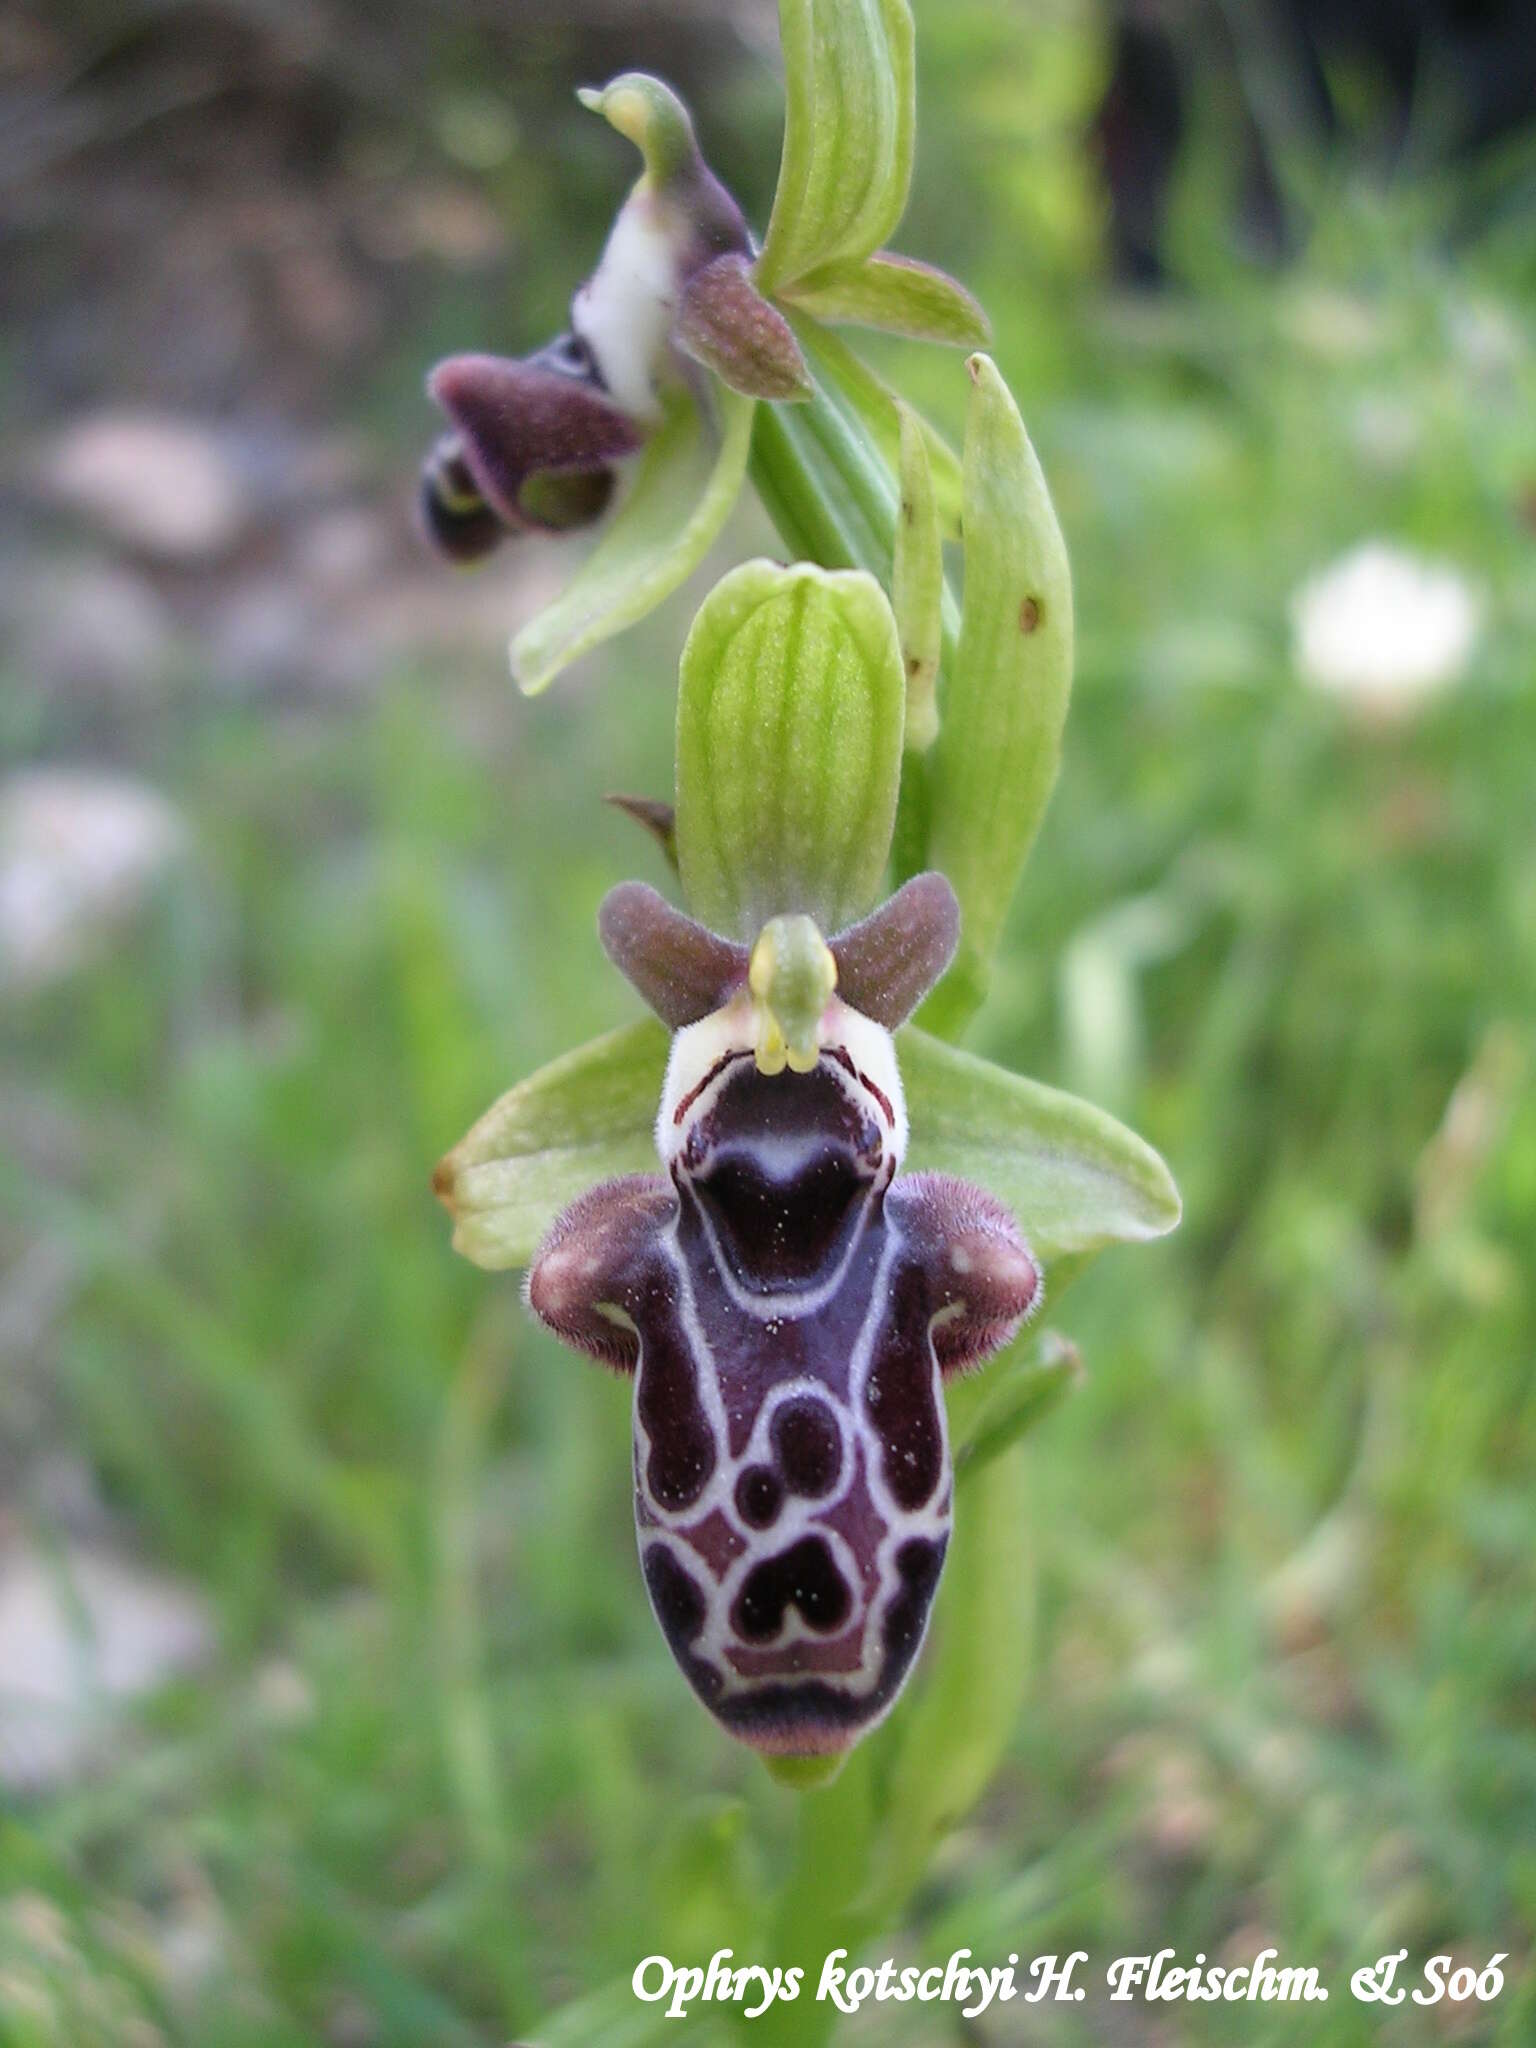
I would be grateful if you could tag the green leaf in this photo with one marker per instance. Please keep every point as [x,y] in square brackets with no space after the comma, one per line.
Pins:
[917,584]
[1075,1179]
[789,717]
[584,1118]
[612,2015]
[702,1868]
[689,478]
[990,1411]
[1005,697]
[896,293]
[849,121]
[957,1729]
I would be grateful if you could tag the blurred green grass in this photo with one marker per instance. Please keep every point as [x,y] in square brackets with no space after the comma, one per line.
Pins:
[444,1778]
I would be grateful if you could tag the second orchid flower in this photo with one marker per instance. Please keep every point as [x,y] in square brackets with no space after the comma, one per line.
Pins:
[678,336]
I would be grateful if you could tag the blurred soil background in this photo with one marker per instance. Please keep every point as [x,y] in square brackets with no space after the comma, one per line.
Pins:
[331,1712]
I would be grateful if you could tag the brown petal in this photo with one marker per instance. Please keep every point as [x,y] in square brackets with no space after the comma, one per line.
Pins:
[683,971]
[725,323]
[523,423]
[888,962]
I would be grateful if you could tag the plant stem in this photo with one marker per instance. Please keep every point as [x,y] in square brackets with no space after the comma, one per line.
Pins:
[831,494]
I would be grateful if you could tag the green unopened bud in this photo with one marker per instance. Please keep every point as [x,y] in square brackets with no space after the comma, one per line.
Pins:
[792,976]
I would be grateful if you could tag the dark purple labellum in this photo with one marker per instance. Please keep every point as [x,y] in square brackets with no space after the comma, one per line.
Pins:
[789,1303]
[458,521]
[533,448]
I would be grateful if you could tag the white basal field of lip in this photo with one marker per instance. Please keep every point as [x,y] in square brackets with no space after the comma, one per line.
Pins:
[624,311]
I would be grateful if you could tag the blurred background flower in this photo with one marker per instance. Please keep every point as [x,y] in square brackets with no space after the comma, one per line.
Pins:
[1278,1586]
[1383,630]
[79,853]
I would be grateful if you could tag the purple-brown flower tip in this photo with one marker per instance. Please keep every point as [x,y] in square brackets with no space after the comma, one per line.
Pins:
[533,448]
[458,521]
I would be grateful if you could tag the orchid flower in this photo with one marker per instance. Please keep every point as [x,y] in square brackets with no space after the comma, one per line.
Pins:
[689,348]
[788,1211]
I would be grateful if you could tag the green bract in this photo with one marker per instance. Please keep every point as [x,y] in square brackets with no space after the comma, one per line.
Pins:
[917,583]
[999,743]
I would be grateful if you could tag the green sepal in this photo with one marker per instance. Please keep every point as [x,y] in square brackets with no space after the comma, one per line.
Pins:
[1006,692]
[789,718]
[689,478]
[586,1117]
[850,115]
[917,583]
[897,294]
[1075,1179]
